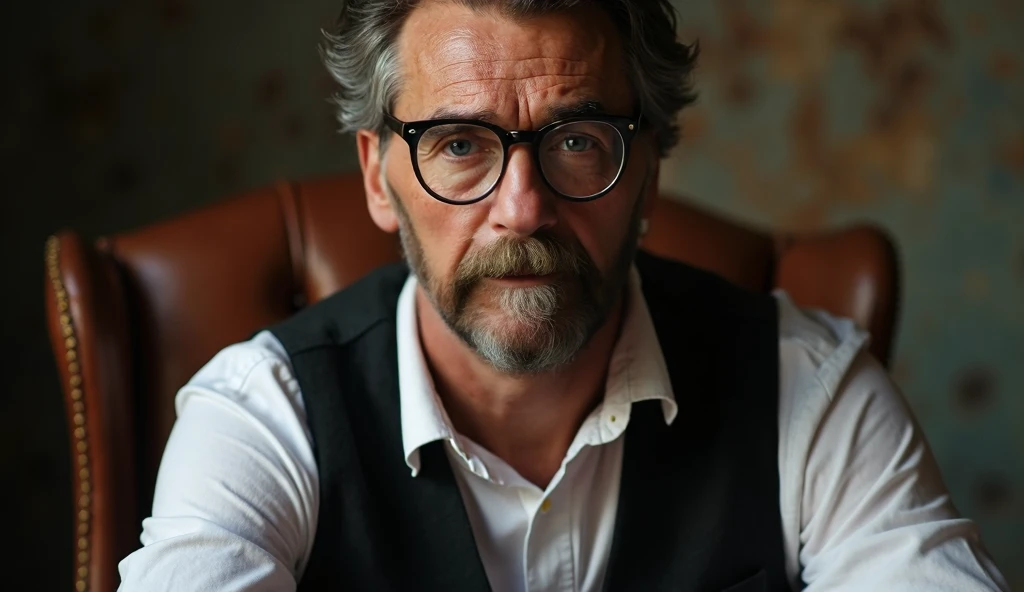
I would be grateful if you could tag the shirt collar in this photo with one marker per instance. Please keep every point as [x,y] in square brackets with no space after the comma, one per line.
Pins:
[636,372]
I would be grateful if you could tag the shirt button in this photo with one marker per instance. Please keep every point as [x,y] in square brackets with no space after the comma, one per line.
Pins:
[545,505]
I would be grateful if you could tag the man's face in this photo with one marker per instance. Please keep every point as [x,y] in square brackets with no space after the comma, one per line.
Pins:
[524,277]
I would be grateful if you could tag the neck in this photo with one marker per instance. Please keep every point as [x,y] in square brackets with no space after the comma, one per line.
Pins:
[529,421]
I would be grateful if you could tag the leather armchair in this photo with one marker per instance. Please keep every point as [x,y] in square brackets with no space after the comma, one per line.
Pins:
[133,316]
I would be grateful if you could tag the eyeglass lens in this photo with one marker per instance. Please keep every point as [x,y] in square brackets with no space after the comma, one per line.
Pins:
[462,162]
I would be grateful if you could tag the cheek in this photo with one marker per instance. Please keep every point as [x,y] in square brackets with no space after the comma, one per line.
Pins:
[445,232]
[601,225]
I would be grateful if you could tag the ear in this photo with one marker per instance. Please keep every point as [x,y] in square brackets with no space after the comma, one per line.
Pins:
[377,201]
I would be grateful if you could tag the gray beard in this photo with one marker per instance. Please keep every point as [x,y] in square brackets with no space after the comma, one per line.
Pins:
[548,334]
[542,327]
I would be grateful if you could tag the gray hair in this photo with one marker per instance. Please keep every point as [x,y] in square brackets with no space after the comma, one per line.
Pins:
[361,55]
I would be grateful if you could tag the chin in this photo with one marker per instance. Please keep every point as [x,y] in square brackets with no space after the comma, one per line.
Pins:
[518,344]
[503,325]
[527,353]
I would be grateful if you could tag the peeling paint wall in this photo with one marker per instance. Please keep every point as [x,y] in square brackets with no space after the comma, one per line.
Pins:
[910,114]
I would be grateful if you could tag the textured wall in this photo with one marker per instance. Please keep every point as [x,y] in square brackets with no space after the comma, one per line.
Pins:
[909,114]
[813,113]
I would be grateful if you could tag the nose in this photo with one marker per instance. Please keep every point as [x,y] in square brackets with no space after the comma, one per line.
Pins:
[523,204]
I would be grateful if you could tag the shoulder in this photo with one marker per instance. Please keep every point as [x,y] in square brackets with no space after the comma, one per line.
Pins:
[815,344]
[236,367]
[253,379]
[820,355]
[827,375]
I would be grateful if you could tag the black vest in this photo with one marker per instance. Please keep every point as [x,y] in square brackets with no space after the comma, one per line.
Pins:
[699,500]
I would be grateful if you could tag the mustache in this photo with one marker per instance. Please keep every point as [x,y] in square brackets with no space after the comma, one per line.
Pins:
[541,254]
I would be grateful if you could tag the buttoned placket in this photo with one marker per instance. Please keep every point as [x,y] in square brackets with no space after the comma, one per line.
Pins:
[549,562]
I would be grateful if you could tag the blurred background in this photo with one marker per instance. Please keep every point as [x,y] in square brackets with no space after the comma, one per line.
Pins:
[907,113]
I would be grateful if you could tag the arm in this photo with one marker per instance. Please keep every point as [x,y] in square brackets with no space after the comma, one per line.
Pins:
[236,498]
[875,513]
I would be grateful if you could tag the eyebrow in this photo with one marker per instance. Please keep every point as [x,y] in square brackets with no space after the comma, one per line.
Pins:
[580,109]
[457,113]
[555,113]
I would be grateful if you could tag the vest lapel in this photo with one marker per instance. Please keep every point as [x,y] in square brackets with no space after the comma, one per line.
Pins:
[657,488]
[379,527]
[435,530]
[443,530]
[698,502]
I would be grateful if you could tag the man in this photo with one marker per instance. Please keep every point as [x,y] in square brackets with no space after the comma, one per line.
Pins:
[538,405]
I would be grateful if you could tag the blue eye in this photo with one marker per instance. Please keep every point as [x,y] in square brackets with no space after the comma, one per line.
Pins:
[460,147]
[576,143]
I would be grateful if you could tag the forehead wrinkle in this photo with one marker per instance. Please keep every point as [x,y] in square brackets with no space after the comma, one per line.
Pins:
[473,66]
[524,62]
[486,69]
[556,92]
[520,98]
[528,84]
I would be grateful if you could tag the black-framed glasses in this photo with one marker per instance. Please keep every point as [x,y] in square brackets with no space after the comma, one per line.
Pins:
[461,161]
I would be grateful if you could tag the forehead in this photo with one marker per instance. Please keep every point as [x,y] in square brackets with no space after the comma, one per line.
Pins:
[515,71]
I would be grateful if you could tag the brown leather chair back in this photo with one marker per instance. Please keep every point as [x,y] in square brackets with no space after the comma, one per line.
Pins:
[132,317]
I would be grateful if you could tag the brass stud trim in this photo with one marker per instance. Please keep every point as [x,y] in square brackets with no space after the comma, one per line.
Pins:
[74,388]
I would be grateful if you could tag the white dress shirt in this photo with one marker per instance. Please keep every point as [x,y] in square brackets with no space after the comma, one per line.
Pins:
[862,503]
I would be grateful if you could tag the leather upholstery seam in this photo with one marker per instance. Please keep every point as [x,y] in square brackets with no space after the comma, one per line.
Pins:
[75,391]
